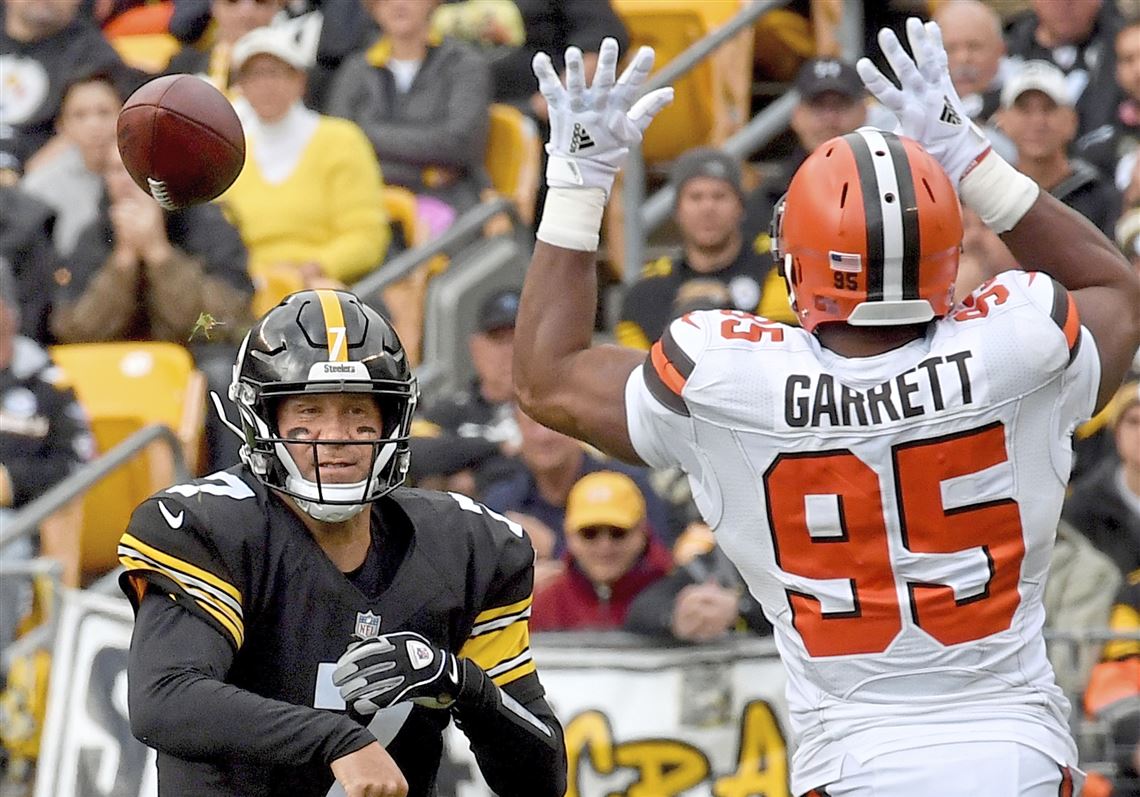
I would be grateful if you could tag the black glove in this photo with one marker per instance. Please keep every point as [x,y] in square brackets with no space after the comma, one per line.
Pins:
[393,668]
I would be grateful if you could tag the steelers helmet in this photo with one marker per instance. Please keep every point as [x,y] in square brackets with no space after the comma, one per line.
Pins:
[323,341]
[869,233]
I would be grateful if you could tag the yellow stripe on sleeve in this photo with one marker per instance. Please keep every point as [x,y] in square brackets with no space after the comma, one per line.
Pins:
[515,674]
[219,611]
[181,564]
[502,611]
[492,649]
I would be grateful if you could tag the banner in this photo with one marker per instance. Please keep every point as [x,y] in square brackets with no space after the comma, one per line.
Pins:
[700,721]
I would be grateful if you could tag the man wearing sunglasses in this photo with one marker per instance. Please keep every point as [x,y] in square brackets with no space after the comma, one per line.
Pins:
[610,557]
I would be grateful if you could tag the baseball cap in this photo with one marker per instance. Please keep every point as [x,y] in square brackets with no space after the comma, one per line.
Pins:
[283,41]
[1036,76]
[604,498]
[499,310]
[820,75]
[706,162]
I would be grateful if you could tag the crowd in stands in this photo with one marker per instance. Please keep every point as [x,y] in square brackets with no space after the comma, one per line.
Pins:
[352,105]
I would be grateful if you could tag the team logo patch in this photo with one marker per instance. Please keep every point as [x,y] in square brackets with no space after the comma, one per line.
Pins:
[367,625]
[849,262]
[419,654]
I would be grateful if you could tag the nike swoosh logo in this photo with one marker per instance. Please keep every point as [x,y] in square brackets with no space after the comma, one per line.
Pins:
[175,521]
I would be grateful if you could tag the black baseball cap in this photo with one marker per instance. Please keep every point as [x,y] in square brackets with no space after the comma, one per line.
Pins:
[499,310]
[820,75]
[706,162]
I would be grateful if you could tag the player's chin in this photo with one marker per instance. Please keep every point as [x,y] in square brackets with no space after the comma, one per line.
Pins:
[343,474]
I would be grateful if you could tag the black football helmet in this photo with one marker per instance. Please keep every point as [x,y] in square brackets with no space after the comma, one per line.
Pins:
[323,341]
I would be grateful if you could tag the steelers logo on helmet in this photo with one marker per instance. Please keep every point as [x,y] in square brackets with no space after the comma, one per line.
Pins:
[322,342]
[869,233]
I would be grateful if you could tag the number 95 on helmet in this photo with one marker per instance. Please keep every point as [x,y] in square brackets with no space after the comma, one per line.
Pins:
[323,342]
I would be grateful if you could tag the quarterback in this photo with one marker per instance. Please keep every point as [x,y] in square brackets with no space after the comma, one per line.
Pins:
[303,617]
[887,476]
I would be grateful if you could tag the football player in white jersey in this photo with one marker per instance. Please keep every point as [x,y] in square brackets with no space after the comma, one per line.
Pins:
[888,476]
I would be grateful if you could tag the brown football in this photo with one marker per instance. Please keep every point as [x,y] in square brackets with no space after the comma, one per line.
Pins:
[181,140]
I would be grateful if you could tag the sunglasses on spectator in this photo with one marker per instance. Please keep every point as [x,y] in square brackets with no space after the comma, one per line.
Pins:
[615,533]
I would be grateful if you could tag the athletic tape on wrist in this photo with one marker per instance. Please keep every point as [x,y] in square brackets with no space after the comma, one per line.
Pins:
[572,218]
[997,192]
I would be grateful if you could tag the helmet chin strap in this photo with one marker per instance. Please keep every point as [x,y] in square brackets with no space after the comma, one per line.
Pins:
[328,513]
[338,512]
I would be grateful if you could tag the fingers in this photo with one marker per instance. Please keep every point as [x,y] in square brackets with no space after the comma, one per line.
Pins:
[643,111]
[882,89]
[548,83]
[921,51]
[936,47]
[633,78]
[900,61]
[575,79]
[604,73]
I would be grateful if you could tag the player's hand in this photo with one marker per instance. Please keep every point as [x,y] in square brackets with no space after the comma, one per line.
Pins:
[393,668]
[927,106]
[370,772]
[592,128]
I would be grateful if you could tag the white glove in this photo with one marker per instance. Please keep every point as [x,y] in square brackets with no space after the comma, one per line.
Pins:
[927,106]
[592,129]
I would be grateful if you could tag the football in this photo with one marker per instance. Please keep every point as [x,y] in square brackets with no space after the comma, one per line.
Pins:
[181,140]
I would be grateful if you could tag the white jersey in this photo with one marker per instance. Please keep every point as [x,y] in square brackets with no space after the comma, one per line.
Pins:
[894,514]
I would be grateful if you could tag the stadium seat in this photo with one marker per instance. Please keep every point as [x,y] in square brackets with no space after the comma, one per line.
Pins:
[514,157]
[141,36]
[124,387]
[712,100]
[272,285]
[400,205]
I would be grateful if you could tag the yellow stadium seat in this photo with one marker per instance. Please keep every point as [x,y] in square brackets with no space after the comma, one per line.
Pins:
[150,52]
[514,157]
[124,387]
[400,205]
[272,285]
[712,100]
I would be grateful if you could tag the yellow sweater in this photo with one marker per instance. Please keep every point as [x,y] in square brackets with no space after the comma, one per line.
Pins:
[330,210]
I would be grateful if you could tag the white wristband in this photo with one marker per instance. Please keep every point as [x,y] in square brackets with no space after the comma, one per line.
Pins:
[572,218]
[997,192]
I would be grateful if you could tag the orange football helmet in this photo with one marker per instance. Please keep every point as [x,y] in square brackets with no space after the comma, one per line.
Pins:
[869,233]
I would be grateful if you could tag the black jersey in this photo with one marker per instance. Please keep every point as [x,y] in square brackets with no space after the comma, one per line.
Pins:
[232,553]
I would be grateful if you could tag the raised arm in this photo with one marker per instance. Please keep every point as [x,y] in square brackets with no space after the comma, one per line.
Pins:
[561,381]
[1042,233]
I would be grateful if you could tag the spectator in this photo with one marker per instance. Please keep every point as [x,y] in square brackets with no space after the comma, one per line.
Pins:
[1038,116]
[71,183]
[422,101]
[1105,506]
[831,103]
[1077,37]
[211,58]
[708,212]
[548,465]
[971,32]
[1115,148]
[610,557]
[1078,597]
[43,436]
[704,598]
[42,46]
[309,201]
[344,28]
[25,243]
[467,436]
[141,273]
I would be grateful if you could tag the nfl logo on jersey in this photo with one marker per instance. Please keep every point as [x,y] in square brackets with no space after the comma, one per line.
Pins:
[367,625]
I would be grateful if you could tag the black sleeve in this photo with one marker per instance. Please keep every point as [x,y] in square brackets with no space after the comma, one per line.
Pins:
[180,704]
[519,746]
[651,612]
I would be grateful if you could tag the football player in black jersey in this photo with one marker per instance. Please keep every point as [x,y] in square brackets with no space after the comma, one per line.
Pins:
[303,617]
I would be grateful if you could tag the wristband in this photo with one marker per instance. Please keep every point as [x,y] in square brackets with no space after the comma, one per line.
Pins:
[997,192]
[572,218]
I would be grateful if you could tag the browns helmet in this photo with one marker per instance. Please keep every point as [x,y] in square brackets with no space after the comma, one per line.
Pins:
[868,233]
[323,341]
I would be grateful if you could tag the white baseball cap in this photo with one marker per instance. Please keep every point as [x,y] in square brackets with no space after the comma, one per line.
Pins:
[293,41]
[1036,76]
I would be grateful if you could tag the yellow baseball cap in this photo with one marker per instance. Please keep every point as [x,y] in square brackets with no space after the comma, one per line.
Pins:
[604,498]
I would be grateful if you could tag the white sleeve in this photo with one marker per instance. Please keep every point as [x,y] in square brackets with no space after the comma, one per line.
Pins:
[657,410]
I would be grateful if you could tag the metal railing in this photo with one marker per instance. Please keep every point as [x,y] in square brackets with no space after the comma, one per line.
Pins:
[28,519]
[466,229]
